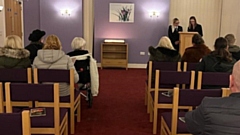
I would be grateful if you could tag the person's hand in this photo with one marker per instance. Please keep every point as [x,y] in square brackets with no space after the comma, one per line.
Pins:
[177,42]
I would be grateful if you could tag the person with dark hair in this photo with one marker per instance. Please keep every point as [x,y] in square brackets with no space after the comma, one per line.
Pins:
[197,51]
[232,48]
[36,38]
[173,33]
[220,60]
[194,26]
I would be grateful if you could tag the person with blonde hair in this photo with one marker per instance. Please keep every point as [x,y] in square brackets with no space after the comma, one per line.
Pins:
[173,33]
[13,55]
[232,48]
[163,52]
[52,57]
[86,66]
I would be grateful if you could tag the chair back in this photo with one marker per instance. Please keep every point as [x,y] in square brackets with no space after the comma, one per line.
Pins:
[174,78]
[52,75]
[31,92]
[57,76]
[15,123]
[191,98]
[16,75]
[208,80]
[190,66]
[165,66]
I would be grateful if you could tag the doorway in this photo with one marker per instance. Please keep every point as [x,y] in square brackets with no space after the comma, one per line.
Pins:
[13,17]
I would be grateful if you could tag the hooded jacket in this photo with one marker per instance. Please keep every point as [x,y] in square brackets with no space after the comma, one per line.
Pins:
[195,53]
[213,63]
[14,58]
[56,59]
[235,50]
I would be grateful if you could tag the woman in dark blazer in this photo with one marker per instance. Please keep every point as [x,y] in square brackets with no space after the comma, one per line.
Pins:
[173,33]
[194,26]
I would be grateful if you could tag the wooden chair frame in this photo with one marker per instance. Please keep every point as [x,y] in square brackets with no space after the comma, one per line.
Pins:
[26,123]
[148,87]
[154,105]
[165,130]
[59,128]
[1,98]
[73,105]
[20,104]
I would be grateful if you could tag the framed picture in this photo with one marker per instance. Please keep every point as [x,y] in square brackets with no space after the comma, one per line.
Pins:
[121,12]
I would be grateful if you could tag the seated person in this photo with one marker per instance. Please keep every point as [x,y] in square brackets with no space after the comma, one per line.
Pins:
[13,55]
[36,43]
[218,116]
[85,65]
[220,60]
[234,49]
[163,52]
[52,57]
[197,51]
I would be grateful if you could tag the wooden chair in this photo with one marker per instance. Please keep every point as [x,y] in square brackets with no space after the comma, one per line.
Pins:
[208,80]
[159,101]
[15,123]
[56,119]
[170,123]
[163,66]
[1,99]
[189,66]
[16,76]
[73,102]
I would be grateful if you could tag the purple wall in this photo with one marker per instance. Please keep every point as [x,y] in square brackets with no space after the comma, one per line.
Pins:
[31,13]
[52,21]
[145,31]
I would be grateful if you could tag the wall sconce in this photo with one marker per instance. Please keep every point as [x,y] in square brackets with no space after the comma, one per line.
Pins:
[66,12]
[154,14]
[1,8]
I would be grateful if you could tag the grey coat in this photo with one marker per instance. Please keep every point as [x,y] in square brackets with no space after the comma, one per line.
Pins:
[215,116]
[56,59]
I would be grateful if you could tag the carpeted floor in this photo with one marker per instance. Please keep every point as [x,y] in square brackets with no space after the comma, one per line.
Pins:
[119,109]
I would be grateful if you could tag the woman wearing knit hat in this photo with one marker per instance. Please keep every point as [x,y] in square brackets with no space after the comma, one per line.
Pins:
[36,38]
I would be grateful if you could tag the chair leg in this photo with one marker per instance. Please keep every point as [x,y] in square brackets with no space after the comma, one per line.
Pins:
[155,115]
[161,130]
[79,113]
[66,128]
[72,120]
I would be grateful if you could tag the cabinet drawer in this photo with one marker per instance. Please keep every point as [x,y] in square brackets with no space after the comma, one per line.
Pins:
[114,62]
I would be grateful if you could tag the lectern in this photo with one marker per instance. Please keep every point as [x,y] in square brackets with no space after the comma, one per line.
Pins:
[185,41]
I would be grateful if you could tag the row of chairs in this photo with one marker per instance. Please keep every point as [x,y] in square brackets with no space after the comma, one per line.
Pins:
[158,101]
[170,122]
[56,119]
[38,76]
[167,80]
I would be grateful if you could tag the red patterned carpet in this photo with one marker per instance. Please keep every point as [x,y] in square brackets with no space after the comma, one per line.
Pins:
[119,109]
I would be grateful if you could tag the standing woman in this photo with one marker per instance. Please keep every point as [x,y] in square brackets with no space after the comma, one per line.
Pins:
[194,26]
[173,33]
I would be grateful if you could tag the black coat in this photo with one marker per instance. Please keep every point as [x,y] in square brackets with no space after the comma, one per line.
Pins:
[215,116]
[33,49]
[174,35]
[198,29]
[213,63]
